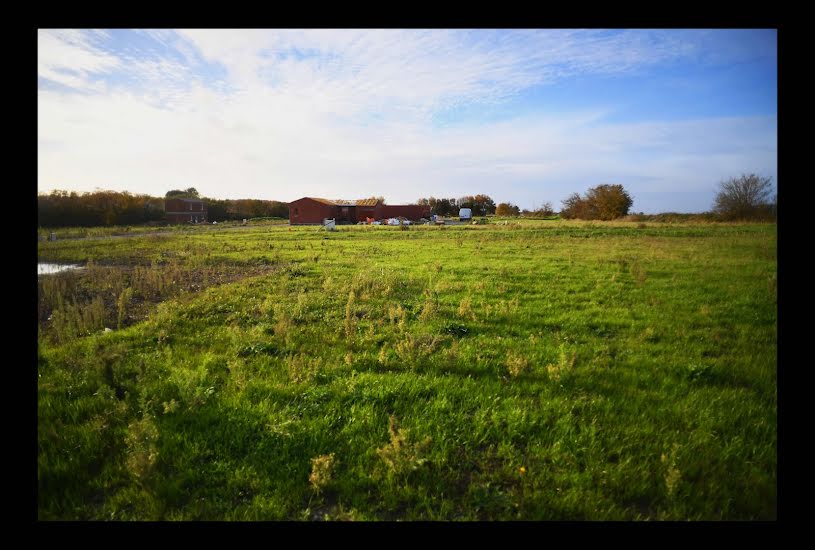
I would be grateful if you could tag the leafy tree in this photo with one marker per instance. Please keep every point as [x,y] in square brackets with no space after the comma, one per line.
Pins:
[607,202]
[189,193]
[63,209]
[481,205]
[507,209]
[484,204]
[222,210]
[743,198]
[573,207]
[604,202]
[441,207]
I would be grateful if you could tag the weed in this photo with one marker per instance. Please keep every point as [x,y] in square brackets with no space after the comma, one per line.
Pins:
[142,452]
[124,300]
[350,319]
[672,474]
[400,456]
[639,274]
[397,315]
[302,368]
[283,321]
[170,406]
[564,365]
[465,309]
[322,468]
[430,307]
[413,350]
[516,364]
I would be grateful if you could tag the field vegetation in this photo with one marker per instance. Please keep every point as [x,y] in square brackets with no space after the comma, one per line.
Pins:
[539,370]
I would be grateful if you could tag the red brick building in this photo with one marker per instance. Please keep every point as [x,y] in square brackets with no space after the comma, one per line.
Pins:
[309,210]
[185,210]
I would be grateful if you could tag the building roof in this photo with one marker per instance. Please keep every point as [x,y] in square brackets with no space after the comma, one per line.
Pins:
[344,202]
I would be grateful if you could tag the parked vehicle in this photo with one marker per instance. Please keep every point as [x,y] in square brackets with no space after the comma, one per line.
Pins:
[465,214]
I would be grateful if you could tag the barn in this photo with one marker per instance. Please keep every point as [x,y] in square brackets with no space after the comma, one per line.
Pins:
[185,210]
[311,210]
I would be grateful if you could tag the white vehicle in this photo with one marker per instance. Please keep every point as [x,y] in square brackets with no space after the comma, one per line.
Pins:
[465,214]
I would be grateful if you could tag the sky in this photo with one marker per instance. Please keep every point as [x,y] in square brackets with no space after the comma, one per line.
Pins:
[525,116]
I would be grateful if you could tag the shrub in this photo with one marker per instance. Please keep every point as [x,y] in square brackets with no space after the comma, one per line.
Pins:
[321,470]
[604,202]
[398,455]
[516,364]
[142,452]
[744,198]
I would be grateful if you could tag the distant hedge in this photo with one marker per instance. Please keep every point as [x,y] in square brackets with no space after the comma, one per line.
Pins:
[108,208]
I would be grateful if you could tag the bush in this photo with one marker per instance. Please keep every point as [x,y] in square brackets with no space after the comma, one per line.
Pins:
[507,209]
[745,198]
[604,202]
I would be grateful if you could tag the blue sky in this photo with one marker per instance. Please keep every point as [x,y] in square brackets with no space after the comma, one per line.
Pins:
[523,115]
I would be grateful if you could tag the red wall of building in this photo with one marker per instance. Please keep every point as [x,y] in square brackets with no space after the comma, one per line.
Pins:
[364,212]
[310,211]
[178,211]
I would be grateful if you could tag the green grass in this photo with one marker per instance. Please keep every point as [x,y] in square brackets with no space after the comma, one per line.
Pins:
[546,371]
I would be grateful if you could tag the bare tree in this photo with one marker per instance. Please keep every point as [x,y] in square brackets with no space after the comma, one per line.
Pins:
[743,198]
[545,210]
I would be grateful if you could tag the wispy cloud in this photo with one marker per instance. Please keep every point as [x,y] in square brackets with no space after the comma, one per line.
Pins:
[71,57]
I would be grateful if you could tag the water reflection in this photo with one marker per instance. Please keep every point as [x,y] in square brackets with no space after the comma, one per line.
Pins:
[46,269]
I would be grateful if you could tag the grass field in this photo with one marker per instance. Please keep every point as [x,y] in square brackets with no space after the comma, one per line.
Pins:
[550,370]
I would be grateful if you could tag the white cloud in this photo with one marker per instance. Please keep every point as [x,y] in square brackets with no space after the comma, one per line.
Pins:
[59,51]
[346,113]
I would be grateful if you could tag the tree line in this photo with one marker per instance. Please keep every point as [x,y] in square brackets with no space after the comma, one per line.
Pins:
[481,205]
[740,198]
[743,198]
[106,208]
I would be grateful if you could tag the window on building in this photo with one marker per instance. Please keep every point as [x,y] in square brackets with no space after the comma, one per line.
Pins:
[296,211]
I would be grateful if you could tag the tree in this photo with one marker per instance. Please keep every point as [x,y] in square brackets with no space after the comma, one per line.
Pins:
[573,206]
[743,198]
[189,193]
[61,209]
[484,204]
[441,207]
[481,205]
[545,210]
[608,202]
[604,202]
[507,209]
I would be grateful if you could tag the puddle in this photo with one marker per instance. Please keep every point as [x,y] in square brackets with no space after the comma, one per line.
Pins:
[47,269]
